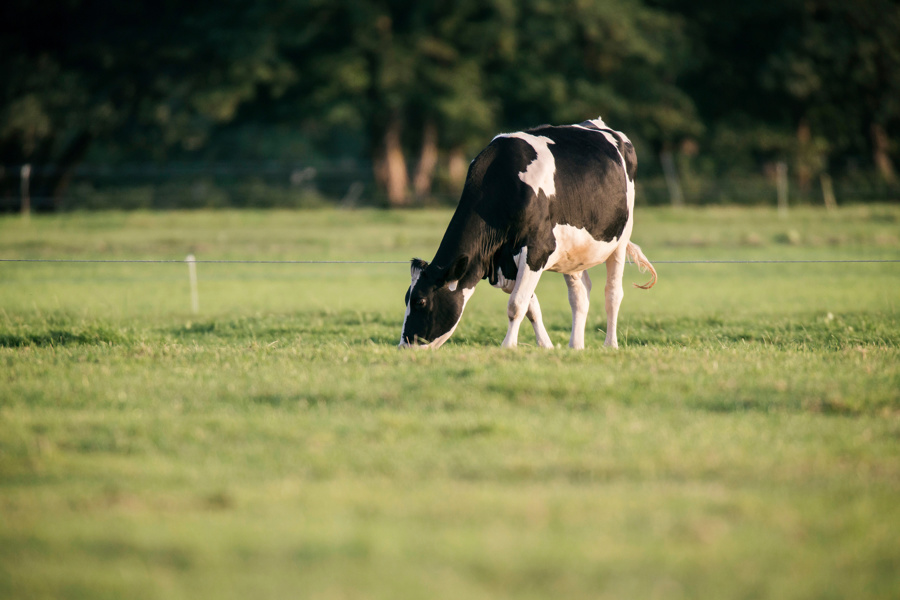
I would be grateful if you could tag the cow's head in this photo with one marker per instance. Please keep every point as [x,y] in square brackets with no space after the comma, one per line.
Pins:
[434,303]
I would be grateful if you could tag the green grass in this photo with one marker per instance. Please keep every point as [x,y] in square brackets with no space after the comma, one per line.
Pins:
[744,442]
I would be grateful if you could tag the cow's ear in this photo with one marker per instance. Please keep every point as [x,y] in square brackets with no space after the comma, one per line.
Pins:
[457,270]
[416,266]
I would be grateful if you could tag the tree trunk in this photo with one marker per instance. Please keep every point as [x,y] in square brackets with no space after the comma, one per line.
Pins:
[671,174]
[457,168]
[26,191]
[880,145]
[428,159]
[803,161]
[58,182]
[391,170]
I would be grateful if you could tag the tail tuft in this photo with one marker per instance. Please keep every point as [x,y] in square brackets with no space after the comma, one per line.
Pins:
[634,252]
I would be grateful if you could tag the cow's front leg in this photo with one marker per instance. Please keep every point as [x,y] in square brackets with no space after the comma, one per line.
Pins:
[534,315]
[537,322]
[615,267]
[520,300]
[579,298]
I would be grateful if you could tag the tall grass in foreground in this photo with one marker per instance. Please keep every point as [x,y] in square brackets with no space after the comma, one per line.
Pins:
[743,442]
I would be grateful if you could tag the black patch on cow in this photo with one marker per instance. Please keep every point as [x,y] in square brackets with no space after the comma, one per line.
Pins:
[503,263]
[418,264]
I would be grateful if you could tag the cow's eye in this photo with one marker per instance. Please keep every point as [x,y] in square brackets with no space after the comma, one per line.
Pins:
[420,302]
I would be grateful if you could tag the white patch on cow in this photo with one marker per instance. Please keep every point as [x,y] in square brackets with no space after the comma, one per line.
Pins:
[452,285]
[467,293]
[502,282]
[629,192]
[612,140]
[607,134]
[628,181]
[577,250]
[598,122]
[415,273]
[521,257]
[541,171]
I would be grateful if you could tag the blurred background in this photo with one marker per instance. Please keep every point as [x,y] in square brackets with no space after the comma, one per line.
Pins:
[294,103]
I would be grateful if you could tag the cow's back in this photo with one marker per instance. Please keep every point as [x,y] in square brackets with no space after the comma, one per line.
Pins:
[525,184]
[591,181]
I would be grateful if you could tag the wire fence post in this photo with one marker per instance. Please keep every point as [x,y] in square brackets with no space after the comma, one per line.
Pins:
[25,172]
[672,182]
[192,273]
[828,191]
[781,184]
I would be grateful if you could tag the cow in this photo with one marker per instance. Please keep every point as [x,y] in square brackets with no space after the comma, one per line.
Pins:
[552,198]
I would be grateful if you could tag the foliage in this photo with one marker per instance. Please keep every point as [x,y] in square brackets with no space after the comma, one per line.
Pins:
[397,82]
[141,76]
[765,71]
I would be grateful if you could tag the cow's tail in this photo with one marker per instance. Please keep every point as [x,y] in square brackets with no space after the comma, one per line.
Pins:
[634,252]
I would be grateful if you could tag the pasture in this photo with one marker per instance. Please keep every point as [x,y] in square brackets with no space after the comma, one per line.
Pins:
[744,441]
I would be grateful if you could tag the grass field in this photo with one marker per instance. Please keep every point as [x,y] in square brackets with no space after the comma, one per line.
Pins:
[744,441]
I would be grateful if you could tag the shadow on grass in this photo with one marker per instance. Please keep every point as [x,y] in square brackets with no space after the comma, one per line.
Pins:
[322,324]
[814,332]
[811,332]
[778,404]
[60,337]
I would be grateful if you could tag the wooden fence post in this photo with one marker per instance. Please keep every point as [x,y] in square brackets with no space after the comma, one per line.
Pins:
[671,173]
[781,184]
[828,191]
[26,192]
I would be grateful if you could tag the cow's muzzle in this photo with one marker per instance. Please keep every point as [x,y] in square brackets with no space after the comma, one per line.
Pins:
[417,342]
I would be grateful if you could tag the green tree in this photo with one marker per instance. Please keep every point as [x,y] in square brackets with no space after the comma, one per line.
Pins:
[430,77]
[813,80]
[146,75]
[406,74]
[576,59]
[839,66]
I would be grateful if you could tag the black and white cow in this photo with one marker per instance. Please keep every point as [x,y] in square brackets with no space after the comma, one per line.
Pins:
[547,199]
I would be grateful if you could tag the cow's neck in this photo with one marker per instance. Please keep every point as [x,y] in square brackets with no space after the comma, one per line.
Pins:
[468,235]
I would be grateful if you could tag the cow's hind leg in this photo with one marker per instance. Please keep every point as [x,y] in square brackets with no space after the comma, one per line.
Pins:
[520,300]
[615,267]
[580,300]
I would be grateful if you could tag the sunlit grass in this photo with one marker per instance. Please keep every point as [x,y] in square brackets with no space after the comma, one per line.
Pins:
[744,441]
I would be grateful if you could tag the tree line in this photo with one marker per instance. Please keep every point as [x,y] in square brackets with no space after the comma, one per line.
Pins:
[417,87]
